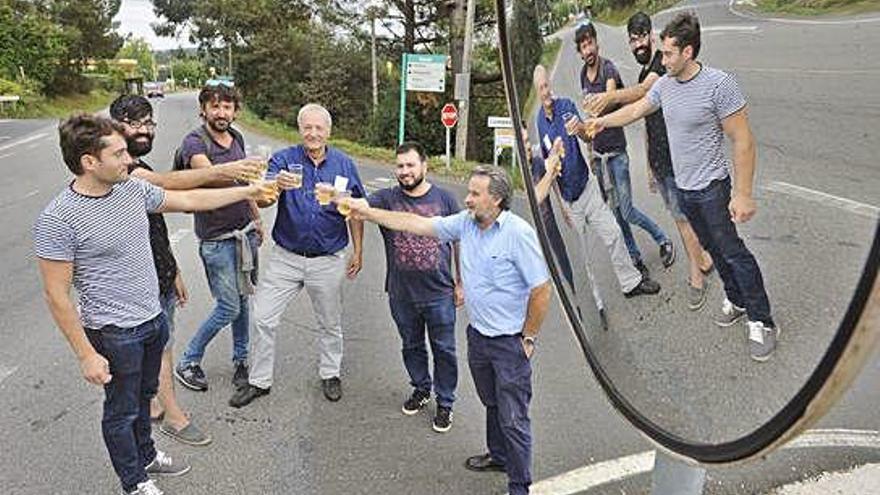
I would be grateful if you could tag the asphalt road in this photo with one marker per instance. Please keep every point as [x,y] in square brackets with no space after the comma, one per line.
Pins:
[294,441]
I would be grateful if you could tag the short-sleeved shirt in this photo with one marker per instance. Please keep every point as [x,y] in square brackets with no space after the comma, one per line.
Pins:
[659,157]
[163,257]
[693,111]
[107,239]
[419,267]
[303,225]
[499,266]
[210,224]
[575,173]
[612,139]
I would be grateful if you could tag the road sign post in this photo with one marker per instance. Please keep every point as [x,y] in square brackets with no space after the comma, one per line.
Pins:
[449,117]
[504,137]
[419,73]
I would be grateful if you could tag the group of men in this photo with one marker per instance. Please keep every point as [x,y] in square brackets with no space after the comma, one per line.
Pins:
[688,109]
[105,235]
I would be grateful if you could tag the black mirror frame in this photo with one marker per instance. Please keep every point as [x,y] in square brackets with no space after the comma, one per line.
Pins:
[850,348]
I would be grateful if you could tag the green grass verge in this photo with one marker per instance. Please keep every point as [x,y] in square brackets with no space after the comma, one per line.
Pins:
[40,107]
[618,17]
[817,7]
[458,169]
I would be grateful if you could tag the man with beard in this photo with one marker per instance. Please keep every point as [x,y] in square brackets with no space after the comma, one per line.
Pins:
[135,114]
[700,106]
[421,291]
[611,162]
[582,200]
[94,236]
[506,292]
[229,239]
[660,173]
[309,252]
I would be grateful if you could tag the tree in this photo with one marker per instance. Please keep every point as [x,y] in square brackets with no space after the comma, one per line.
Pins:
[138,49]
[526,45]
[29,42]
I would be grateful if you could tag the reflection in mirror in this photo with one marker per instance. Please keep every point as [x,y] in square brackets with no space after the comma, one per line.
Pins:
[706,314]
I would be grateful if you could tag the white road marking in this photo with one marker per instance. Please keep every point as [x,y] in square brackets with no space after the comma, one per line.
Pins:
[19,200]
[593,475]
[23,141]
[729,28]
[177,236]
[7,155]
[33,145]
[813,22]
[6,372]
[849,205]
[382,179]
[805,70]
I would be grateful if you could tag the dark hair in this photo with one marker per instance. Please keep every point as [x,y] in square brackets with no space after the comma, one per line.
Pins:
[407,146]
[83,134]
[584,31]
[499,183]
[684,29]
[219,92]
[130,107]
[639,23]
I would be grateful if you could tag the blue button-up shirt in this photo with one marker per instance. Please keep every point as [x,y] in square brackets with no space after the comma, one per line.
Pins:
[575,173]
[500,266]
[302,225]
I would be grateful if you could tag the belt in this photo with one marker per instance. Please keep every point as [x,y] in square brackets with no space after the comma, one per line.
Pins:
[307,255]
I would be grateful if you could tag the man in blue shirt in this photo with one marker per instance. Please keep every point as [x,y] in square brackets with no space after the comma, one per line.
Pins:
[584,207]
[507,291]
[421,290]
[309,252]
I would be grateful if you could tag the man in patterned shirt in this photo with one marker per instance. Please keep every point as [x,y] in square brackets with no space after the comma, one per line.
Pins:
[95,236]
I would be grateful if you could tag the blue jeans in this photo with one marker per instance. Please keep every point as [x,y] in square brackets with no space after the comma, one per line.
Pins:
[438,317]
[135,355]
[707,211]
[503,378]
[624,212]
[221,268]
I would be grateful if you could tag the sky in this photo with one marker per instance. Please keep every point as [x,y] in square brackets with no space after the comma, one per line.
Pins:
[135,16]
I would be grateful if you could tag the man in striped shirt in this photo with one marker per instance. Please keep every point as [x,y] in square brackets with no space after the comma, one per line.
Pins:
[700,106]
[95,236]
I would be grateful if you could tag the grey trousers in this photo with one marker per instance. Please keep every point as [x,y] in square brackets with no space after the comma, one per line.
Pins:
[596,218]
[286,275]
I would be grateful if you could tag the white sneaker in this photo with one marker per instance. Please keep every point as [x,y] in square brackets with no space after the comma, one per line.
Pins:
[730,313]
[146,488]
[762,340]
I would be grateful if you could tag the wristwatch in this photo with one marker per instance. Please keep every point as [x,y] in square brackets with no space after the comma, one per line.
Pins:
[530,339]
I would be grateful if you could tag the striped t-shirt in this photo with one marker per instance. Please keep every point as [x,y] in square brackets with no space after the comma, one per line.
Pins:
[693,111]
[107,239]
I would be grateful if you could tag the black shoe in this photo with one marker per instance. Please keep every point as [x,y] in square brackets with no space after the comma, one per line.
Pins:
[483,463]
[642,268]
[332,388]
[646,286]
[667,253]
[246,394]
[191,376]
[416,402]
[603,319]
[240,377]
[442,419]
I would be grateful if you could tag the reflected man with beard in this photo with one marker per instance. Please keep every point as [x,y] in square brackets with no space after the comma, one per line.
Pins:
[421,290]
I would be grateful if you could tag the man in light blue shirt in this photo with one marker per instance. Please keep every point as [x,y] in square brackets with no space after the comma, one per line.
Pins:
[507,290]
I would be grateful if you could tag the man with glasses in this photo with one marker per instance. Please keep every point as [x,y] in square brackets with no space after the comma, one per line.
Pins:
[660,172]
[229,239]
[611,162]
[135,113]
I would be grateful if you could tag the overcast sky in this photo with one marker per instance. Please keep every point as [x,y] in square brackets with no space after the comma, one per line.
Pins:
[135,16]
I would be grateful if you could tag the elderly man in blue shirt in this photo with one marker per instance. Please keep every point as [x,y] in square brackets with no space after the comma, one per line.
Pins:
[507,291]
[309,252]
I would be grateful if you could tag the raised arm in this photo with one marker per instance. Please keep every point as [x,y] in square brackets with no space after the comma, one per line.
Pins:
[211,199]
[622,117]
[736,127]
[57,277]
[394,220]
[597,103]
[223,175]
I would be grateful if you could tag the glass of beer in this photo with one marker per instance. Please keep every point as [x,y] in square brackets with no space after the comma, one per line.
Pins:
[325,192]
[342,204]
[296,170]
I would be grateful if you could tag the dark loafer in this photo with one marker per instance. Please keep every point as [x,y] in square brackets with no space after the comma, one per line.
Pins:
[245,395]
[483,463]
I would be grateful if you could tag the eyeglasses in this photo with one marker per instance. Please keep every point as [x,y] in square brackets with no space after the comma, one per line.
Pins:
[137,124]
[636,37]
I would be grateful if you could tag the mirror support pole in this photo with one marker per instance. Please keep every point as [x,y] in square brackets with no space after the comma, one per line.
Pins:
[673,477]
